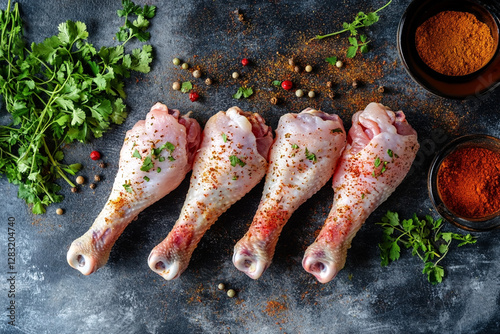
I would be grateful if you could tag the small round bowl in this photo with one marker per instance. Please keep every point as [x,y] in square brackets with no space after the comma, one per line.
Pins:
[464,87]
[477,225]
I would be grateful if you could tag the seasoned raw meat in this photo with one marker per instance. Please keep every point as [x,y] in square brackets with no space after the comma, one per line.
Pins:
[232,160]
[302,159]
[156,156]
[381,147]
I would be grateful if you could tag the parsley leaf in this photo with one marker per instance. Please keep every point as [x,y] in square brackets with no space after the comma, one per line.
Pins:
[310,156]
[186,86]
[136,154]
[147,164]
[276,83]
[146,178]
[236,161]
[331,60]
[243,92]
[128,188]
[224,137]
[424,237]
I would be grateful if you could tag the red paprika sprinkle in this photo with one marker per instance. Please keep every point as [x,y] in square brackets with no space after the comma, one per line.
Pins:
[193,96]
[94,155]
[244,62]
[469,182]
[286,85]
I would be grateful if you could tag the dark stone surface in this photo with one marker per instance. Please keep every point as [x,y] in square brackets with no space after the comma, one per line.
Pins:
[125,296]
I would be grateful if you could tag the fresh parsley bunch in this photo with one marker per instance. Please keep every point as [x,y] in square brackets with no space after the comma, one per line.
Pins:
[424,237]
[57,91]
[361,20]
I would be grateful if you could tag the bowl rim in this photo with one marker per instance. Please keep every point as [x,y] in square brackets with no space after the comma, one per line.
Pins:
[416,77]
[475,225]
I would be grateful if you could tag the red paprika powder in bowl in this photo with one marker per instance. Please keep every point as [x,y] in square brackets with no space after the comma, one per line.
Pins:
[464,182]
[451,47]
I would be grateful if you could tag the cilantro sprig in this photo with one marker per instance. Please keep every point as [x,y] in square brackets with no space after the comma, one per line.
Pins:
[424,237]
[57,91]
[361,20]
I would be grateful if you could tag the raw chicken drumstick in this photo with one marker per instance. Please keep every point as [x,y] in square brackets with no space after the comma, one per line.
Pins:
[302,159]
[155,157]
[381,147]
[232,160]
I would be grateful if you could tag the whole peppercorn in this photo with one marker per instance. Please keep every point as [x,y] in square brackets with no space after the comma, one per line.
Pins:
[339,63]
[176,85]
[185,66]
[274,100]
[94,155]
[80,180]
[287,85]
[329,84]
[97,178]
[299,93]
[208,81]
[296,69]
[74,189]
[291,62]
[193,96]
[59,211]
[221,286]
[309,68]
[197,73]
[231,293]
[381,89]
[355,83]
[235,75]
[244,62]
[176,61]
[311,94]
[102,165]
[92,186]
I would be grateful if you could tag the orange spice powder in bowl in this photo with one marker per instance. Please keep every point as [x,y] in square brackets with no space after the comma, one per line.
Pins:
[464,182]
[451,47]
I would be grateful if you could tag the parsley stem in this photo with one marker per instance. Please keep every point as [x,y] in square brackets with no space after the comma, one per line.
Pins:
[56,165]
[387,4]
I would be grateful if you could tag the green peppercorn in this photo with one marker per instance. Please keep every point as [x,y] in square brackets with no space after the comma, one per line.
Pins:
[231,293]
[176,61]
[185,66]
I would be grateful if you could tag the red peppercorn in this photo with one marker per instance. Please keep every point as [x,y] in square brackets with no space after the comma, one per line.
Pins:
[244,62]
[94,155]
[286,85]
[193,96]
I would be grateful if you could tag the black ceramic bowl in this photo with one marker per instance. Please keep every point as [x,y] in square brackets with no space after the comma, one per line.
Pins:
[483,224]
[455,87]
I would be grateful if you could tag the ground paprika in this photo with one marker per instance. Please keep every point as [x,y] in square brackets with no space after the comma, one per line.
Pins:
[455,43]
[469,182]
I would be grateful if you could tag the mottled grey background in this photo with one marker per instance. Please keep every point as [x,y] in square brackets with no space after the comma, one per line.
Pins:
[127,297]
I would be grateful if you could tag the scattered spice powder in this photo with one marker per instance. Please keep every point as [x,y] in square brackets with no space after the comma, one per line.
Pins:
[454,43]
[469,182]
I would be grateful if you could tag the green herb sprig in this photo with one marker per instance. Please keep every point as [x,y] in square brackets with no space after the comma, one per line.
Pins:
[57,91]
[138,27]
[424,237]
[361,20]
